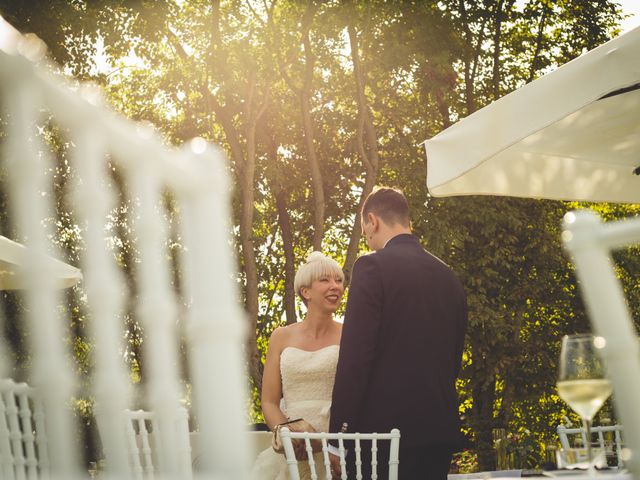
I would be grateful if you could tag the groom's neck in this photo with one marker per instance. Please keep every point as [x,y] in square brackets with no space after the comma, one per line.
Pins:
[390,232]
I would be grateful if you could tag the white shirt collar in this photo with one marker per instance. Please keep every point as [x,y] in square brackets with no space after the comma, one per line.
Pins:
[395,236]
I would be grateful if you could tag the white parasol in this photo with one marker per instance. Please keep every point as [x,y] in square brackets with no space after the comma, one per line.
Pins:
[13,258]
[573,134]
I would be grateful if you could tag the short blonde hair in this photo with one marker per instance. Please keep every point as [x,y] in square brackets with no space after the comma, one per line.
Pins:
[316,266]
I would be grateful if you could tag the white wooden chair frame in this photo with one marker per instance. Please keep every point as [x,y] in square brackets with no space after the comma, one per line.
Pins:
[143,442]
[197,175]
[590,241]
[393,437]
[564,434]
[23,437]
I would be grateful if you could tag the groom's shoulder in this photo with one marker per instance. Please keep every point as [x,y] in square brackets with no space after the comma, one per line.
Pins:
[367,258]
[378,257]
[368,255]
[366,264]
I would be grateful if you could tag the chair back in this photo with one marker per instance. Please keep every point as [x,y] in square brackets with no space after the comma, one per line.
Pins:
[143,441]
[23,439]
[360,441]
[609,438]
[181,285]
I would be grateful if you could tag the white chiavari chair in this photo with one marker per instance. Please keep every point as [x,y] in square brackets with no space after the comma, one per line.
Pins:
[23,438]
[360,441]
[609,438]
[143,439]
[195,177]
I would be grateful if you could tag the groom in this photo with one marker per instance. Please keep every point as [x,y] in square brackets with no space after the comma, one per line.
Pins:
[401,345]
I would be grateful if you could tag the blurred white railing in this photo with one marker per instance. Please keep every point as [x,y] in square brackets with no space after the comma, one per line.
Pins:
[197,177]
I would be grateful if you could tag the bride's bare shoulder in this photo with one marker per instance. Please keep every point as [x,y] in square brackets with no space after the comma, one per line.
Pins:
[283,335]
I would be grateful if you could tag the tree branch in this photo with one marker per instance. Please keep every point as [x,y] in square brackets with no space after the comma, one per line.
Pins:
[281,66]
[496,49]
[539,38]
[255,14]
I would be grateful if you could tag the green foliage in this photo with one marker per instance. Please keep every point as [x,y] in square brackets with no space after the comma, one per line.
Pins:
[464,462]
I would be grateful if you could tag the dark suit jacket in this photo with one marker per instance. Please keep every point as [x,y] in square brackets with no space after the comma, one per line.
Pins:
[401,347]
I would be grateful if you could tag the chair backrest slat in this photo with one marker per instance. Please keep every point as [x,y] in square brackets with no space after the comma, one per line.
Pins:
[136,464]
[27,159]
[358,452]
[157,311]
[94,200]
[374,459]
[28,437]
[618,440]
[312,464]
[325,458]
[15,435]
[6,457]
[290,457]
[42,444]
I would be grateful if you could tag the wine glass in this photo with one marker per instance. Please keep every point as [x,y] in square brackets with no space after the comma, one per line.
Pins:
[582,383]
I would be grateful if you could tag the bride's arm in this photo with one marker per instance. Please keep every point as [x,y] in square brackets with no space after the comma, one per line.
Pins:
[271,381]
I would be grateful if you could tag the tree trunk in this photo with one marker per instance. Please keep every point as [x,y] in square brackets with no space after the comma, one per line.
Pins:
[286,230]
[471,58]
[305,100]
[284,222]
[468,76]
[496,50]
[534,61]
[483,391]
[483,424]
[249,256]
[244,168]
[304,93]
[443,108]
[504,414]
[367,142]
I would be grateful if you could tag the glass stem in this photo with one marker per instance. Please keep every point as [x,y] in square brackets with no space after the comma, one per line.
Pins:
[587,428]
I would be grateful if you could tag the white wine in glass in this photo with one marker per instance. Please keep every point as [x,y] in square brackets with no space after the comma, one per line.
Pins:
[582,382]
[585,397]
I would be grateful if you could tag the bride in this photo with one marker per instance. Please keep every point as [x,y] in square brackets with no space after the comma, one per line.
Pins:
[301,362]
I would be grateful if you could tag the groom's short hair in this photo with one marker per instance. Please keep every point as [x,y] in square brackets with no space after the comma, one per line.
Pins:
[389,204]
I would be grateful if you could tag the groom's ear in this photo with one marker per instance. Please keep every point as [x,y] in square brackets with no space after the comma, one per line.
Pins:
[373,220]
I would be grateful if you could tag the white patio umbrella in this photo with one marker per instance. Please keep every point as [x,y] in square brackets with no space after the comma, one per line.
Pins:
[13,258]
[573,134]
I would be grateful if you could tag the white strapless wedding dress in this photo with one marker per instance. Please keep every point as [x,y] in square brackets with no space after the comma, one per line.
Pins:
[307,386]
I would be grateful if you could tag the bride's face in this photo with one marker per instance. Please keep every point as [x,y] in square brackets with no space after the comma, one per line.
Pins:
[325,293]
